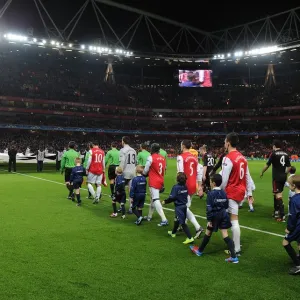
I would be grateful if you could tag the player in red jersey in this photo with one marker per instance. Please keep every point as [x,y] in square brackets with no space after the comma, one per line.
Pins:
[95,169]
[236,181]
[155,168]
[188,164]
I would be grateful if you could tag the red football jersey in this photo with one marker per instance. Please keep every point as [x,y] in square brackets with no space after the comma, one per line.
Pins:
[190,164]
[157,171]
[237,182]
[97,164]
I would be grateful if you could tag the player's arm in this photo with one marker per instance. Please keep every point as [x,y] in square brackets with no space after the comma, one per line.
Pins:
[209,208]
[103,162]
[122,160]
[107,157]
[172,196]
[199,179]
[226,170]
[132,189]
[180,168]
[268,164]
[218,165]
[89,162]
[288,165]
[63,162]
[205,161]
[147,166]
[292,219]
[249,184]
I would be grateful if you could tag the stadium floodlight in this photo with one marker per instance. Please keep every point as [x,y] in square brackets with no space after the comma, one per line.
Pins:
[52,43]
[16,37]
[228,55]
[238,54]
[70,45]
[34,40]
[90,48]
[43,41]
[82,47]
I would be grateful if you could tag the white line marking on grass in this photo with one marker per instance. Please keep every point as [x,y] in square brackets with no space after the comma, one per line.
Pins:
[168,209]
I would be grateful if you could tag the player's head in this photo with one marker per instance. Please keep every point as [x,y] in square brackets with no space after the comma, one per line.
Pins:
[296,182]
[78,161]
[155,148]
[119,171]
[96,144]
[231,140]
[125,140]
[181,178]
[203,149]
[277,144]
[143,146]
[215,180]
[114,144]
[72,145]
[186,145]
[292,170]
[139,169]
[90,145]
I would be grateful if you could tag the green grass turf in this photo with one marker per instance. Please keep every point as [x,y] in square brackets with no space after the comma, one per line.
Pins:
[51,249]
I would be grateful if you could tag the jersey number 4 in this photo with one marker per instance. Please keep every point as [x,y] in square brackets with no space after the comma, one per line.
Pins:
[98,158]
[282,160]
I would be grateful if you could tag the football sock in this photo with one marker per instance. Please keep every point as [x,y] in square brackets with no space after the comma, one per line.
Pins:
[151,210]
[78,198]
[230,245]
[275,204]
[114,205]
[159,209]
[112,188]
[292,254]
[135,211]
[236,235]
[186,230]
[251,206]
[98,192]
[90,194]
[204,242]
[91,190]
[140,211]
[71,190]
[175,228]
[123,209]
[192,219]
[280,207]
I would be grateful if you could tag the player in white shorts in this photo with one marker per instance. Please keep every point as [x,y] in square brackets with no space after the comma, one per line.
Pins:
[128,159]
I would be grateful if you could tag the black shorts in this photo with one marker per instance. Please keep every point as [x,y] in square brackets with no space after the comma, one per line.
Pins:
[293,236]
[138,201]
[77,185]
[112,172]
[127,182]
[206,183]
[278,186]
[180,214]
[68,172]
[121,198]
[221,220]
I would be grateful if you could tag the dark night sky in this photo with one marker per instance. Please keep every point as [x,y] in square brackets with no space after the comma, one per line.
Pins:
[207,15]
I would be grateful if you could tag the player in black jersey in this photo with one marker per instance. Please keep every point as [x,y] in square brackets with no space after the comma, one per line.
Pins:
[208,165]
[281,165]
[222,154]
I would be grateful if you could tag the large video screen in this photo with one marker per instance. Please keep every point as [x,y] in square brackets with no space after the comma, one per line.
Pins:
[195,78]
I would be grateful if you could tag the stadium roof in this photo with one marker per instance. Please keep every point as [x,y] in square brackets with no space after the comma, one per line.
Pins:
[149,27]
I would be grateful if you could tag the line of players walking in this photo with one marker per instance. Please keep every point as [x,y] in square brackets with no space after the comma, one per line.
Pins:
[225,191]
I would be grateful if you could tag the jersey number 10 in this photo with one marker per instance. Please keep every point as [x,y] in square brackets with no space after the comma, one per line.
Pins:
[98,158]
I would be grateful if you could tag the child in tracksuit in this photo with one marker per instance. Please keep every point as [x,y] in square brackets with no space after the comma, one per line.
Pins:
[119,193]
[179,195]
[293,225]
[217,218]
[138,194]
[289,181]
[76,179]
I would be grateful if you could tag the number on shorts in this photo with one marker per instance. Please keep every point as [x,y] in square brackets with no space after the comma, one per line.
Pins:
[282,160]
[242,170]
[131,159]
[160,165]
[191,168]
[210,162]
[98,158]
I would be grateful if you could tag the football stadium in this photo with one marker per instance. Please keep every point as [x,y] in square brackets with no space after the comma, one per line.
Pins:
[149,150]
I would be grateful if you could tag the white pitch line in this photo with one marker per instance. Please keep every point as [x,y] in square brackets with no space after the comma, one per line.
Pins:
[169,209]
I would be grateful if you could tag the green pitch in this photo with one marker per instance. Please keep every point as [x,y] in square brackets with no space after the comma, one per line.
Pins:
[51,249]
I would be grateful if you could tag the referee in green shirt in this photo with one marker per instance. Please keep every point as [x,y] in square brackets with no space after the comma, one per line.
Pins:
[112,159]
[143,155]
[67,164]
